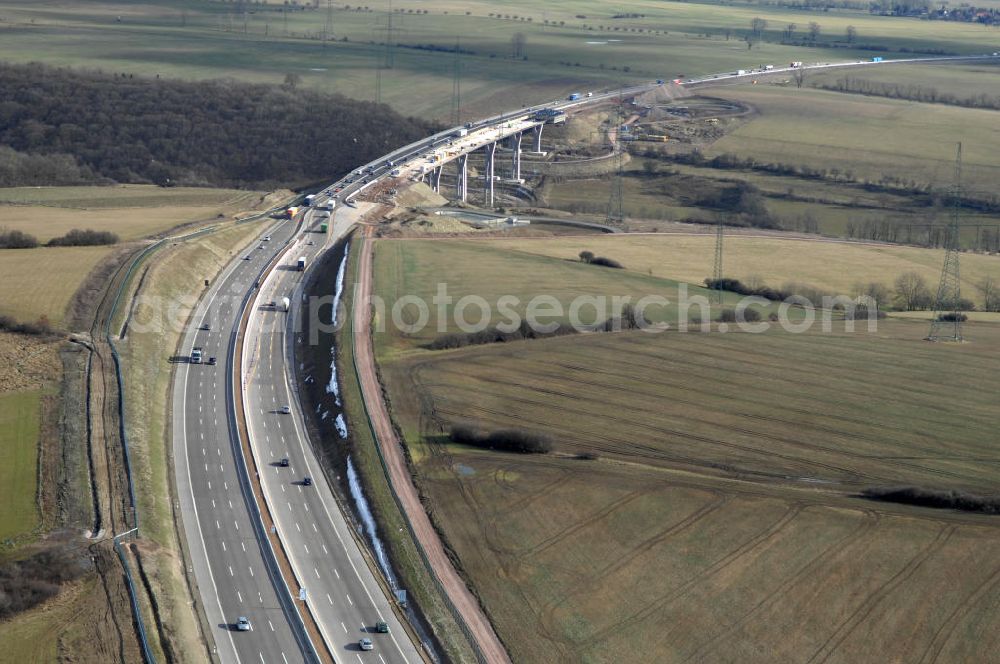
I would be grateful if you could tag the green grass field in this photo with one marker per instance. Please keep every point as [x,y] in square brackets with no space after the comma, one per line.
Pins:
[203,39]
[470,268]
[867,136]
[19,427]
[830,266]
[719,521]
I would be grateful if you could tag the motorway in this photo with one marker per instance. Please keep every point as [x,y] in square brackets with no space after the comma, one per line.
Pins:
[228,560]
[230,556]
[342,591]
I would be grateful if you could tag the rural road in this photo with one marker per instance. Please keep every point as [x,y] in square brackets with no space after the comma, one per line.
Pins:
[402,483]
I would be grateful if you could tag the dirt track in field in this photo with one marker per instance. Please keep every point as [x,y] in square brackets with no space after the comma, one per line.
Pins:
[402,483]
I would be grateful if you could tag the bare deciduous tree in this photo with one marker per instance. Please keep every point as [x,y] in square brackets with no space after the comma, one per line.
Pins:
[991,293]
[912,292]
[814,29]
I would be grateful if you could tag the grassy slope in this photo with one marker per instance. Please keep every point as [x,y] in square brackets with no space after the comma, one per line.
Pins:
[175,274]
[827,265]
[19,412]
[688,537]
[406,557]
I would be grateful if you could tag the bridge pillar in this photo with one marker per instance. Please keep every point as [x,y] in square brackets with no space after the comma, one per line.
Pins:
[436,179]
[516,159]
[490,150]
[463,177]
[538,137]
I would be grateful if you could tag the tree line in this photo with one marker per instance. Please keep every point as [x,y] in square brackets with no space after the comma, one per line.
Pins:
[15,239]
[909,292]
[66,126]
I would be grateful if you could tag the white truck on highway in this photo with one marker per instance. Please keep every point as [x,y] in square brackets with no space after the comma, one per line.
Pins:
[284,304]
[310,199]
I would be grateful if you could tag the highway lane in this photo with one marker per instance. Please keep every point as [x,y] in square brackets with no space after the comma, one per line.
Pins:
[345,597]
[233,578]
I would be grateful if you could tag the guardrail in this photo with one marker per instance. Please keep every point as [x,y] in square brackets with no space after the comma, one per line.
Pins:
[236,441]
[456,614]
[147,653]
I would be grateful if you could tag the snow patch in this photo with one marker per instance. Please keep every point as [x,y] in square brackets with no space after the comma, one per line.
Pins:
[369,523]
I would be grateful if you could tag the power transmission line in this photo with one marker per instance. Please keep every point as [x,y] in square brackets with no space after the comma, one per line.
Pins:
[616,201]
[456,85]
[946,325]
[717,273]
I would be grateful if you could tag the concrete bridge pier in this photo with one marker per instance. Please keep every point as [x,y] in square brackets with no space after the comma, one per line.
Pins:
[538,137]
[490,150]
[435,177]
[463,177]
[515,141]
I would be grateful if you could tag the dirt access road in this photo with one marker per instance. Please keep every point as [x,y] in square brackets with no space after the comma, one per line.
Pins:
[399,475]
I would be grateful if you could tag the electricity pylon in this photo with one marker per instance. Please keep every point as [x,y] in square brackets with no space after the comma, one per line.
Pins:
[616,201]
[717,273]
[950,287]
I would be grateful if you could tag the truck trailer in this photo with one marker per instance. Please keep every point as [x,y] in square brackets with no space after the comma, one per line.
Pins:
[310,198]
[301,263]
[284,304]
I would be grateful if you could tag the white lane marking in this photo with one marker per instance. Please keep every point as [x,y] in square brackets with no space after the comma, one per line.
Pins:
[237,525]
[209,486]
[217,526]
[244,547]
[213,503]
[203,451]
[315,529]
[306,547]
[223,546]
[261,658]
[349,600]
[316,572]
[221,469]
[344,626]
[270,625]
[231,570]
[206,468]
[306,505]
[250,567]
[336,572]
[240,595]
[283,658]
[282,487]
[325,551]
[225,485]
[329,599]
[289,506]
[380,658]
[202,434]
[230,504]
[297,527]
